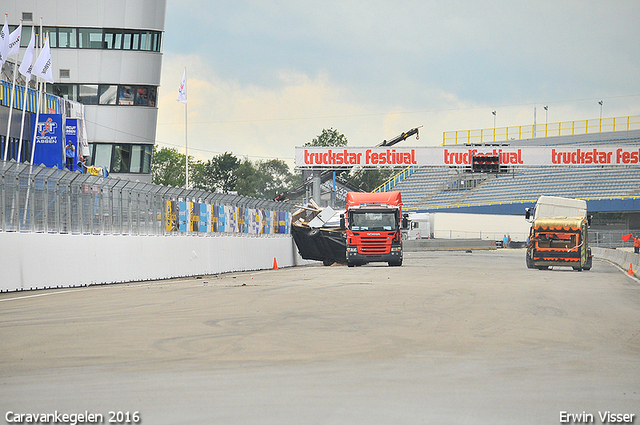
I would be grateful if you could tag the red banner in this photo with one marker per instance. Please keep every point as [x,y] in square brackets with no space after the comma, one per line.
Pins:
[461,156]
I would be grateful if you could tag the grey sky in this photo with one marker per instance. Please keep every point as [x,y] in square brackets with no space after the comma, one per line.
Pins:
[266,76]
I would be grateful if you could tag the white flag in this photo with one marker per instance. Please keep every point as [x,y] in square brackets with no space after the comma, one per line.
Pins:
[182,90]
[42,67]
[13,45]
[4,42]
[27,60]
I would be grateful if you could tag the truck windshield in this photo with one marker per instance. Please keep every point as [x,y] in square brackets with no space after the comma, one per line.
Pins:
[372,221]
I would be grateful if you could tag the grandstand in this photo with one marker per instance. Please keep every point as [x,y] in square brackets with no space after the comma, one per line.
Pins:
[606,189]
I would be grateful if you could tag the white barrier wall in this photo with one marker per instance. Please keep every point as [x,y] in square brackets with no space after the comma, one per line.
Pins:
[620,257]
[41,260]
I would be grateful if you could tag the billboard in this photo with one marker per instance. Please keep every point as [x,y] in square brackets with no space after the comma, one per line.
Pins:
[462,156]
[71,132]
[49,140]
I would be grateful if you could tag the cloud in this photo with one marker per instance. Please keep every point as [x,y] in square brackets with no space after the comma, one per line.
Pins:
[265,77]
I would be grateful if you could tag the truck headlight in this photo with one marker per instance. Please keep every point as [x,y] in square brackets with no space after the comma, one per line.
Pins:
[352,249]
[396,249]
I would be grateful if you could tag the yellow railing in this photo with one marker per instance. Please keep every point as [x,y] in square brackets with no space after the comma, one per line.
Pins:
[566,128]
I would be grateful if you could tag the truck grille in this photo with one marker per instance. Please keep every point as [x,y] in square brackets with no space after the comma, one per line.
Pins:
[374,245]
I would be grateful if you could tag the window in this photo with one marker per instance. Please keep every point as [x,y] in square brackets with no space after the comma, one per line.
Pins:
[108,95]
[127,95]
[67,38]
[65,73]
[155,45]
[90,38]
[121,159]
[372,221]
[88,94]
[104,94]
[66,91]
[152,96]
[146,158]
[112,39]
[136,158]
[95,38]
[142,96]
[52,33]
[25,36]
[131,40]
[102,156]
[146,40]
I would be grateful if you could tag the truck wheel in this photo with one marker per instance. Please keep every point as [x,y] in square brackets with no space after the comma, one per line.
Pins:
[327,262]
[542,267]
[589,262]
[529,260]
[578,269]
[350,264]
[395,263]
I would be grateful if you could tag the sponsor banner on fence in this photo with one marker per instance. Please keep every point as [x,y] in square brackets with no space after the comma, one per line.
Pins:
[205,218]
[461,156]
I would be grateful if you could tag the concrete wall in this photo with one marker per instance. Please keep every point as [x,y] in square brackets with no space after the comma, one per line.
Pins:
[41,260]
[618,256]
[416,245]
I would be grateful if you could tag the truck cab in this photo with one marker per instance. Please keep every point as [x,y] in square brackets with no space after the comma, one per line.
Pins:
[373,224]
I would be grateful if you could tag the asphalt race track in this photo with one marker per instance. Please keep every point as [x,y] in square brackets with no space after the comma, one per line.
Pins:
[448,338]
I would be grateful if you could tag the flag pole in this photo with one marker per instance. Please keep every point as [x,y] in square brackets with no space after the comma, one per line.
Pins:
[35,127]
[13,92]
[27,60]
[182,98]
[24,107]
[186,144]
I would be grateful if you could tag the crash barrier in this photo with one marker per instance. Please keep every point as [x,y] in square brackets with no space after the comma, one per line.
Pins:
[626,260]
[50,200]
[60,229]
[416,245]
[43,260]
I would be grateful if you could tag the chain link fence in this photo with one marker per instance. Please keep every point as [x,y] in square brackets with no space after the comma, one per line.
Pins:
[50,200]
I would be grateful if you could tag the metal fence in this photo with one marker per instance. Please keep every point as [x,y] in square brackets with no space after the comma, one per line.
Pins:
[611,238]
[50,200]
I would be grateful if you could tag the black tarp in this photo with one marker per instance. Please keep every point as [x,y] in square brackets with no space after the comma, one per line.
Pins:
[328,246]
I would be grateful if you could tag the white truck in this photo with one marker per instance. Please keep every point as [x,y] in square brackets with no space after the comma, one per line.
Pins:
[559,234]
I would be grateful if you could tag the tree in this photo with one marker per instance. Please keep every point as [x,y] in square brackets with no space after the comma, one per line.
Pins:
[276,178]
[218,174]
[329,137]
[248,179]
[264,179]
[368,179]
[168,167]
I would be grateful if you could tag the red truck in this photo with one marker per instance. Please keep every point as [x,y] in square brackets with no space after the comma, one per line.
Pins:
[373,223]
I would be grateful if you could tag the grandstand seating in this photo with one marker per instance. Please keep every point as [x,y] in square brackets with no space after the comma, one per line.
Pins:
[436,187]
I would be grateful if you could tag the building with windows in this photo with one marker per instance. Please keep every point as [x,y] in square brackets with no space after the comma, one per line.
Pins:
[107,56]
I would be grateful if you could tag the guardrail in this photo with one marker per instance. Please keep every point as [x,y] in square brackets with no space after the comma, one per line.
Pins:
[50,200]
[531,131]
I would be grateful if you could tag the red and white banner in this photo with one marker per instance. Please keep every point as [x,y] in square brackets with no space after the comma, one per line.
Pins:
[461,156]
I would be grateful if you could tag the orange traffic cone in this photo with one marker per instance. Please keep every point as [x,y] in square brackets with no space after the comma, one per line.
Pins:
[630,272]
[275,264]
